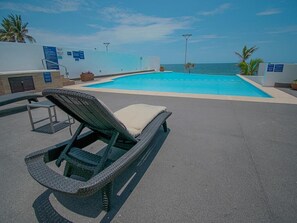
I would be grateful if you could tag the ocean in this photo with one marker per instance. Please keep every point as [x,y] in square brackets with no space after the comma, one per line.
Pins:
[205,68]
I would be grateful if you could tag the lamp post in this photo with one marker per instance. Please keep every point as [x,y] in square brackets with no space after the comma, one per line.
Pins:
[106,46]
[187,36]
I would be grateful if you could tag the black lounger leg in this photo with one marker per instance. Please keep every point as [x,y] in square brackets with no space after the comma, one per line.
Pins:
[165,126]
[106,196]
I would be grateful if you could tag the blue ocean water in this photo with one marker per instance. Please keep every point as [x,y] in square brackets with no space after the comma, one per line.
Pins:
[185,83]
[206,68]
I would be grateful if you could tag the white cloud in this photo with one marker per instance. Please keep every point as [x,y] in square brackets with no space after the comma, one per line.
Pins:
[127,17]
[282,30]
[263,42]
[55,6]
[122,16]
[124,27]
[131,27]
[269,12]
[220,9]
[125,31]
[203,38]
[210,36]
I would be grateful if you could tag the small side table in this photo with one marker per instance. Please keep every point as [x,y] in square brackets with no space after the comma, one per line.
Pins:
[54,125]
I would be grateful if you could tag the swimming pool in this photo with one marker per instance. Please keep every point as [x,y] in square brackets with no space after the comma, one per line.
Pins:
[185,83]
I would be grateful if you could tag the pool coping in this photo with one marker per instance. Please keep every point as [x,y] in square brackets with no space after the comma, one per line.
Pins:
[278,95]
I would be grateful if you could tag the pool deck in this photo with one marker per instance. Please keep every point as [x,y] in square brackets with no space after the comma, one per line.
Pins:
[222,161]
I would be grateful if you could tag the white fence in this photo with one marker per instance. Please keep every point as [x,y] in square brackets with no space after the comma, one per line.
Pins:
[20,57]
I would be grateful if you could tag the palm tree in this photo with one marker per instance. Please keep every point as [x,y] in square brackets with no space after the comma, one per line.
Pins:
[14,30]
[189,66]
[244,68]
[250,68]
[246,53]
[254,65]
[5,32]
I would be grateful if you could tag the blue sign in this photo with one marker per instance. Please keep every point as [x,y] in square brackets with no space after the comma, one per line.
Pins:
[47,77]
[69,53]
[270,67]
[81,55]
[50,54]
[75,54]
[278,68]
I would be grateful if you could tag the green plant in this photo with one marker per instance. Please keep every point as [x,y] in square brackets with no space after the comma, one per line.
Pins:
[189,66]
[244,68]
[254,65]
[13,30]
[246,53]
[87,76]
[88,72]
[250,68]
[5,32]
[294,84]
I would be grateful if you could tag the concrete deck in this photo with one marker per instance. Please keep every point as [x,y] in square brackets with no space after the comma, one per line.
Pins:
[222,161]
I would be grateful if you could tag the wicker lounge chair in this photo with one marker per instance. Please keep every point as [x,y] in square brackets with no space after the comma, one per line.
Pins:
[118,130]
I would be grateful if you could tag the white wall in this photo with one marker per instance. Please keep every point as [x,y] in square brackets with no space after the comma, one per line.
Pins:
[288,74]
[18,57]
[151,62]
[257,79]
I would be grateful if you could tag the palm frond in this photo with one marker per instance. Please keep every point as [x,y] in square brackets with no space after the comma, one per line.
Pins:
[243,68]
[13,30]
[254,66]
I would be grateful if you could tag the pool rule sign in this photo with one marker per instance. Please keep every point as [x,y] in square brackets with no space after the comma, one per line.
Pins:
[275,68]
[47,77]
[50,54]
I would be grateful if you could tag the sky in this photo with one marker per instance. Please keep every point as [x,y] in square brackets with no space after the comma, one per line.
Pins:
[155,27]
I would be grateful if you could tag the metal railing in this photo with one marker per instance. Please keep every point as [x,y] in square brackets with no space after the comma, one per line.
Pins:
[66,71]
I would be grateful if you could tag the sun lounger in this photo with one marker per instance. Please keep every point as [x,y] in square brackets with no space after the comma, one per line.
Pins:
[14,97]
[130,129]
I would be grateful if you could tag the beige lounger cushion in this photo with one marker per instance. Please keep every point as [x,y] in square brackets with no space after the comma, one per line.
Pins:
[136,117]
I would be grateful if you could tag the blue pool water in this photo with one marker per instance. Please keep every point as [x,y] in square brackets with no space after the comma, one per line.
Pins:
[185,83]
